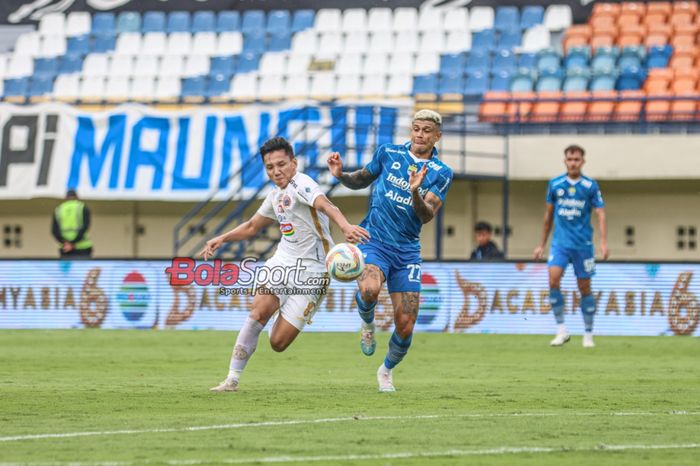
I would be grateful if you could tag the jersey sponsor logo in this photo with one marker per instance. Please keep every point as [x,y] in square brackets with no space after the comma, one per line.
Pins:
[434,166]
[396,197]
[586,183]
[570,208]
[402,183]
[395,165]
[394,151]
[560,192]
[287,229]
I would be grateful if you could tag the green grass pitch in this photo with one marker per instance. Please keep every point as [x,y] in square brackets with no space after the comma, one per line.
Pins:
[141,397]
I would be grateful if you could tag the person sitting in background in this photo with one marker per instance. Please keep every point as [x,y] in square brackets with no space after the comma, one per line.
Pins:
[486,250]
[71,221]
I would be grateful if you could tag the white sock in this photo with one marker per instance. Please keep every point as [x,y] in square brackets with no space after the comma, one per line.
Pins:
[562,329]
[246,342]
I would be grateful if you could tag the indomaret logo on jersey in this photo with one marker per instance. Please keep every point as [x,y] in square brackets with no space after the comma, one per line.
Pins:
[403,184]
[570,208]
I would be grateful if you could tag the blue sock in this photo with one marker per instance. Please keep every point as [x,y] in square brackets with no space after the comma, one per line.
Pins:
[556,299]
[366,310]
[398,347]
[588,311]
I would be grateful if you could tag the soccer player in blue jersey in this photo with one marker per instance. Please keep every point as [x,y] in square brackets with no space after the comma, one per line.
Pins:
[570,199]
[410,185]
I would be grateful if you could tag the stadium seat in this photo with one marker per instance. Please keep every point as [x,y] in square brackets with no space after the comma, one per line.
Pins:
[456,20]
[405,41]
[229,43]
[223,65]
[96,65]
[196,65]
[19,67]
[658,34]
[348,87]
[399,85]
[519,109]
[218,87]
[119,66]
[168,89]
[550,80]
[548,59]
[355,42]
[28,44]
[603,81]
[330,44]
[628,20]
[382,41]
[67,87]
[546,108]
[92,89]
[636,8]
[632,56]
[228,21]
[432,41]
[178,21]
[52,46]
[328,20]
[629,107]
[458,41]
[684,109]
[631,36]
[601,9]
[484,39]
[507,17]
[425,87]
[205,43]
[16,89]
[374,63]
[663,7]
[575,106]
[531,15]
[128,43]
[323,86]
[373,86]
[104,43]
[79,45]
[683,57]
[142,89]
[178,43]
[128,21]
[78,23]
[296,87]
[480,18]
[193,89]
[273,64]
[577,36]
[504,59]
[147,66]
[630,78]
[254,41]
[46,67]
[430,19]
[602,105]
[203,21]
[172,66]
[103,23]
[451,86]
[52,24]
[154,44]
[278,21]
[452,63]
[117,89]
[70,64]
[658,106]
[527,60]
[478,59]
[354,20]
[493,108]
[509,38]
[658,81]
[153,21]
[253,21]
[576,80]
[349,63]
[558,17]
[248,62]
[405,19]
[501,79]
[302,19]
[684,81]
[536,38]
[577,58]
[402,63]
[305,43]
[476,84]
[604,60]
[522,81]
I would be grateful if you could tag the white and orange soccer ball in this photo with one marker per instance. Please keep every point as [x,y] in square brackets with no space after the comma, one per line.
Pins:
[345,262]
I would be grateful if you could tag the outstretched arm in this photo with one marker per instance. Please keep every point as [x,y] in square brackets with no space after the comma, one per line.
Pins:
[352,233]
[358,179]
[245,230]
[546,229]
[425,207]
[603,227]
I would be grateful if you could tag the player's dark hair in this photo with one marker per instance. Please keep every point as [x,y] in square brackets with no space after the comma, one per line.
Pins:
[483,226]
[575,148]
[275,144]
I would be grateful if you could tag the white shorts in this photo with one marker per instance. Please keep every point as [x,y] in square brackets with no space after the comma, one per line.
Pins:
[299,304]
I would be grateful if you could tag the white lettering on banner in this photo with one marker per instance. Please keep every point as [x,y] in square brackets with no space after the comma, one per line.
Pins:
[138,153]
[631,299]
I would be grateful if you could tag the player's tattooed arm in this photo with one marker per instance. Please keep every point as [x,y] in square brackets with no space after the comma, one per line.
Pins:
[358,179]
[425,208]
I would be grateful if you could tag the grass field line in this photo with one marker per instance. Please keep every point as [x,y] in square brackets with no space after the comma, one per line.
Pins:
[295,422]
[378,456]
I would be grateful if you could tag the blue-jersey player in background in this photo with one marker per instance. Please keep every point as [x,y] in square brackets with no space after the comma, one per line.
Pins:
[411,185]
[570,199]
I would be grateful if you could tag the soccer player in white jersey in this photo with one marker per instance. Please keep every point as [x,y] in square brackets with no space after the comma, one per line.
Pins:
[410,185]
[302,210]
[570,199]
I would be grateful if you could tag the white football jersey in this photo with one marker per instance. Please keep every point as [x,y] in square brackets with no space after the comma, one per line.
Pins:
[305,231]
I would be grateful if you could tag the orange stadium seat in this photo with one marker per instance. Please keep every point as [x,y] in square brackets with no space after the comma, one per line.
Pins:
[682,40]
[602,22]
[684,81]
[681,17]
[602,106]
[690,7]
[630,105]
[690,28]
[574,106]
[658,108]
[575,41]
[654,18]
[659,8]
[602,40]
[605,9]
[494,107]
[658,34]
[637,8]
[546,109]
[631,35]
[658,80]
[520,108]
[683,57]
[684,110]
[627,19]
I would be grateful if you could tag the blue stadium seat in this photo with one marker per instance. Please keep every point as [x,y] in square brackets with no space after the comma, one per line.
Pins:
[178,21]
[522,81]
[550,80]
[70,64]
[218,85]
[507,17]
[576,80]
[16,87]
[476,84]
[103,23]
[46,67]
[253,21]
[254,41]
[451,83]
[509,38]
[603,82]
[278,20]
[577,58]
[153,21]
[279,41]
[194,87]
[222,65]
[40,85]
[629,61]
[478,59]
[504,59]
[548,59]
[104,43]
[128,21]
[659,56]
[631,78]
[531,16]
[501,80]
[603,63]
[204,21]
[303,19]
[452,63]
[78,45]
[527,60]
[425,84]
[248,61]
[485,39]
[228,21]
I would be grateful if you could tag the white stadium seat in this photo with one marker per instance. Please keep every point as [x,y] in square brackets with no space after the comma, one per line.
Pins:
[456,20]
[348,86]
[375,63]
[128,43]
[458,41]
[305,43]
[406,41]
[179,43]
[328,20]
[296,86]
[171,66]
[401,63]
[244,86]
[142,89]
[92,89]
[52,24]
[145,66]
[355,20]
[430,19]
[96,64]
[432,41]
[373,85]
[28,44]
[273,63]
[558,17]
[117,89]
[121,65]
[355,42]
[154,43]
[298,64]
[349,63]
[427,63]
[168,89]
[66,87]
[323,85]
[480,18]
[19,66]
[536,38]
[205,43]
[330,43]
[399,85]
[380,19]
[382,41]
[405,19]
[229,43]
[270,87]
[78,23]
[52,46]
[196,65]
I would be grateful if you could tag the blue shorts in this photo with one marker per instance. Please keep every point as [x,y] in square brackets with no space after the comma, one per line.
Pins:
[583,260]
[401,268]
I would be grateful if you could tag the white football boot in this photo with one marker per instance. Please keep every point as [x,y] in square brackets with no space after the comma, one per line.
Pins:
[561,337]
[228,385]
[385,381]
[588,340]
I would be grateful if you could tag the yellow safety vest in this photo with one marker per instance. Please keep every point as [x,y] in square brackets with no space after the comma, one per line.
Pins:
[69,216]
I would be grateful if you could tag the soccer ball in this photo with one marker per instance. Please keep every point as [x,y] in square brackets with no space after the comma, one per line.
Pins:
[345,262]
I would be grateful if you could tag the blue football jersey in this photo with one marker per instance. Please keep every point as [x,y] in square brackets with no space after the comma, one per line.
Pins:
[573,202]
[391,218]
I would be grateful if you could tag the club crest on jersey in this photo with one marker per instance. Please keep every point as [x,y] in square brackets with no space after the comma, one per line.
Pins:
[287,229]
[280,209]
[572,190]
[286,201]
[412,168]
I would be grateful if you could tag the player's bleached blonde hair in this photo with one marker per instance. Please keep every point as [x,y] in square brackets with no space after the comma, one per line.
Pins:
[428,115]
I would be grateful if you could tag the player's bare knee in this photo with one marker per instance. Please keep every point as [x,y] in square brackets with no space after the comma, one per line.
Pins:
[404,325]
[278,345]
